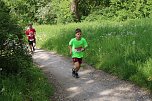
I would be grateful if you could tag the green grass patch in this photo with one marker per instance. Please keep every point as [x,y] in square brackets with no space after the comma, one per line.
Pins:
[120,48]
[31,84]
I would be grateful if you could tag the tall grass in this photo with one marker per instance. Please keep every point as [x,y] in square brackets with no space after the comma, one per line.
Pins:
[30,85]
[120,48]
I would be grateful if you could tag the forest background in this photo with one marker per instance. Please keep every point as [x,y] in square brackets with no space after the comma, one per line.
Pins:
[67,11]
[123,36]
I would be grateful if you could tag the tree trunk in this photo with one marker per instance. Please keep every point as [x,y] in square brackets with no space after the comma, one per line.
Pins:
[74,9]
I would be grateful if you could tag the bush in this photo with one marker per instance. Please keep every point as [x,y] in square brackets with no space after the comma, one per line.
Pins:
[12,52]
[121,11]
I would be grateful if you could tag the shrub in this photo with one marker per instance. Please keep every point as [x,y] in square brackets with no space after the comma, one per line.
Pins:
[11,43]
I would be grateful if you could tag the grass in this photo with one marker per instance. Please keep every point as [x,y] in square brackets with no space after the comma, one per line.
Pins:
[120,48]
[30,84]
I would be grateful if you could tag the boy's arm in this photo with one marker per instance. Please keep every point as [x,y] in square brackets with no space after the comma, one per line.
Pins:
[85,45]
[34,32]
[26,33]
[70,48]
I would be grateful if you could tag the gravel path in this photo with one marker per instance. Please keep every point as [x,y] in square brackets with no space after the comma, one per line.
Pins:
[93,85]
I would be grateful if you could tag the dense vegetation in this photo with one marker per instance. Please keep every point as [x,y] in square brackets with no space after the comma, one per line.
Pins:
[65,11]
[120,48]
[118,33]
[20,79]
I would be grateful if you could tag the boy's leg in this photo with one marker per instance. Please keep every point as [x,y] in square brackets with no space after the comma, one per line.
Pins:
[77,66]
[31,45]
[73,72]
[34,42]
[76,69]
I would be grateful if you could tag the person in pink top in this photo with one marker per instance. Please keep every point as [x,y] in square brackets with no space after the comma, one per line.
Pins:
[31,33]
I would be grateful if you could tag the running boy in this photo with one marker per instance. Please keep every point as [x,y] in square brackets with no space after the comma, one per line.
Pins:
[77,46]
[30,33]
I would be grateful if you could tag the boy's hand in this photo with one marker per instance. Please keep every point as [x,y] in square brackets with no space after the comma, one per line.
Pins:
[70,52]
[82,49]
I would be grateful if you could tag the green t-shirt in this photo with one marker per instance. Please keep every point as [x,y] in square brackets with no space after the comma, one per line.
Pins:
[76,47]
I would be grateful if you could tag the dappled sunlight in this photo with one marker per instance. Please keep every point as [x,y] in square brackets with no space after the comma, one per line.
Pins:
[115,91]
[73,89]
[44,57]
[48,64]
[84,78]
[90,81]
[106,92]
[73,95]
[93,85]
[100,94]
[85,72]
[41,66]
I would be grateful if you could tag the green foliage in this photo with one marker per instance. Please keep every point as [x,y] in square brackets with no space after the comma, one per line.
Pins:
[123,48]
[121,10]
[19,80]
[42,12]
[28,85]
[60,11]
[11,47]
[45,15]
[26,10]
[85,6]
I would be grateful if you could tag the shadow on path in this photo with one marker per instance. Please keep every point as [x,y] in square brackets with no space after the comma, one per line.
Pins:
[93,85]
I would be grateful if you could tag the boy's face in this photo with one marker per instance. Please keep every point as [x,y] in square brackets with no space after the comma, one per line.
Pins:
[78,35]
[30,25]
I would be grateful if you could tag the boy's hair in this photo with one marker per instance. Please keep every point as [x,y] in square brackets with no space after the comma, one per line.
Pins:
[77,30]
[30,24]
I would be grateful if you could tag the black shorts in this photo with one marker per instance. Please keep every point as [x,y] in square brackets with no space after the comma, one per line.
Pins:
[30,42]
[34,40]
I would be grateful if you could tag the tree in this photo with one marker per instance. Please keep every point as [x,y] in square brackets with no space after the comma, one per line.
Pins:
[75,10]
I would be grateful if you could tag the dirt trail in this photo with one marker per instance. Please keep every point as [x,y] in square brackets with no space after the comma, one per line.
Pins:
[93,85]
